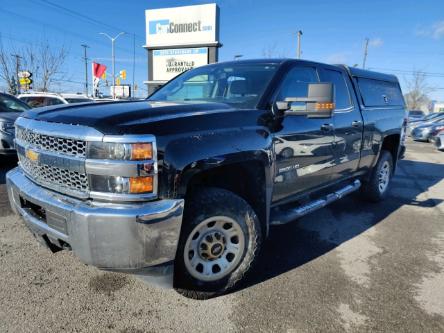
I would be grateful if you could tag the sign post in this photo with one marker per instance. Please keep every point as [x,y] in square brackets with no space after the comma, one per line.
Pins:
[25,80]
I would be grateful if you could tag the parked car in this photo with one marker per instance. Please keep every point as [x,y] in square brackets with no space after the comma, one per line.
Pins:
[438,140]
[415,115]
[10,109]
[185,185]
[429,119]
[425,132]
[39,99]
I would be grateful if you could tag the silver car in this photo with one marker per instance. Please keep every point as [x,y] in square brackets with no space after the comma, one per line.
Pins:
[439,141]
[429,119]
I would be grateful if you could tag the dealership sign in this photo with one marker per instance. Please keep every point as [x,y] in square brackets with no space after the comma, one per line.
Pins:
[169,63]
[188,25]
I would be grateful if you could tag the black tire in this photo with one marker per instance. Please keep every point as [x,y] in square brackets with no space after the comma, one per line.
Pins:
[204,204]
[371,189]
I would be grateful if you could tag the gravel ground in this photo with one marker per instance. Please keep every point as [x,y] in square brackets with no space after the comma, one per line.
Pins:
[353,267]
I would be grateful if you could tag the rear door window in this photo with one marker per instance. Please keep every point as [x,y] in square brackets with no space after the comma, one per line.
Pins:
[380,93]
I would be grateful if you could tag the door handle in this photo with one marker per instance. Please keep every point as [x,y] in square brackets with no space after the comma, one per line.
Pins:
[327,127]
[357,123]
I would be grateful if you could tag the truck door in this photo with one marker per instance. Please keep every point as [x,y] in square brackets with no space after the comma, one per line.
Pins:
[348,123]
[303,146]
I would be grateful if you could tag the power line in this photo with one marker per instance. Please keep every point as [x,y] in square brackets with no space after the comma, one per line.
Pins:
[74,13]
[56,28]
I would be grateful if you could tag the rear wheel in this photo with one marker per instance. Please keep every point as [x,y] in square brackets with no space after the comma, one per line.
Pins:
[219,242]
[377,187]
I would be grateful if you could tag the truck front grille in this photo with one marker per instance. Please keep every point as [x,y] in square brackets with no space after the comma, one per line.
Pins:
[66,146]
[65,181]
[55,156]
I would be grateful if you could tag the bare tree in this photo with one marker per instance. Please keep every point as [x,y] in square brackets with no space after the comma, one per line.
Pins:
[271,51]
[44,61]
[418,90]
[8,69]
[46,64]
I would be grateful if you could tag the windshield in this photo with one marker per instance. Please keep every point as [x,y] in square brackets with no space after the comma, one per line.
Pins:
[9,104]
[240,85]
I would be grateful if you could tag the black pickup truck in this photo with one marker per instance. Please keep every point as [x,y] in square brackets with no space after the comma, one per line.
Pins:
[183,187]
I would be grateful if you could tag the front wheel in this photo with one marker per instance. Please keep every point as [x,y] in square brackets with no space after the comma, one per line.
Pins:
[219,242]
[377,187]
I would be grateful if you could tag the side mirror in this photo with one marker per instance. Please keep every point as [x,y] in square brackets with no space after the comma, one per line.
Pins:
[318,104]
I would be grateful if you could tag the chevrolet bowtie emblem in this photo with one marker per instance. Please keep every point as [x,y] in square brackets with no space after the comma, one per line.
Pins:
[32,155]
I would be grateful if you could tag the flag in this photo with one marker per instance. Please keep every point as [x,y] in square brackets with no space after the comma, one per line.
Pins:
[98,69]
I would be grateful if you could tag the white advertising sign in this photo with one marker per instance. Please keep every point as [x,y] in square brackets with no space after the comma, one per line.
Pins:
[188,25]
[171,62]
[123,91]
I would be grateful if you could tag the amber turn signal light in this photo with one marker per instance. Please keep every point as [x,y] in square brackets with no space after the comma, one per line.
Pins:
[325,106]
[141,184]
[141,151]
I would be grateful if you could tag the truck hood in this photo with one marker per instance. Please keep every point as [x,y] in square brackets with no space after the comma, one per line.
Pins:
[145,117]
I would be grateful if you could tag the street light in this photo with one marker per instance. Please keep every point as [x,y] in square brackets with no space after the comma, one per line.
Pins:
[112,57]
[237,56]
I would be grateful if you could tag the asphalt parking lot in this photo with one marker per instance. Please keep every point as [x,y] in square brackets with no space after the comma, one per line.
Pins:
[351,267]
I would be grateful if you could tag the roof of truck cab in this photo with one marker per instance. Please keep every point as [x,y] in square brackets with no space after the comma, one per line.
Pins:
[353,71]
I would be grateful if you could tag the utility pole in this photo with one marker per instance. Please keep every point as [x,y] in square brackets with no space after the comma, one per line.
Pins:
[86,67]
[17,69]
[299,43]
[113,58]
[367,40]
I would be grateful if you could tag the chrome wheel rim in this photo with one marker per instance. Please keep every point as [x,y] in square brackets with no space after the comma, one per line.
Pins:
[384,177]
[214,248]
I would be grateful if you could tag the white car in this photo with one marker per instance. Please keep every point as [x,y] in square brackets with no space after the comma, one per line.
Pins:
[38,99]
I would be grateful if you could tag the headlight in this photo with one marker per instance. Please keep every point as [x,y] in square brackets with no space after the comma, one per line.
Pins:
[6,127]
[122,167]
[120,151]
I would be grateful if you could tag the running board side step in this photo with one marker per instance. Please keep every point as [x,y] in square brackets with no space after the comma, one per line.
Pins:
[279,217]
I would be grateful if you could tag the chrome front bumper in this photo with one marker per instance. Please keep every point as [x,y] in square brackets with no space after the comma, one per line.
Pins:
[132,237]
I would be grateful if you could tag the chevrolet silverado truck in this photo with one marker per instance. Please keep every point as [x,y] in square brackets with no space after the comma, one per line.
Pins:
[182,188]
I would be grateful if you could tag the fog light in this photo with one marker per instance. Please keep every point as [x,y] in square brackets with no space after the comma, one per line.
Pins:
[141,185]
